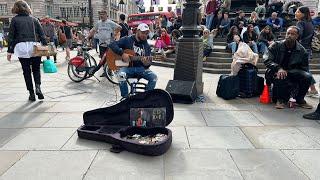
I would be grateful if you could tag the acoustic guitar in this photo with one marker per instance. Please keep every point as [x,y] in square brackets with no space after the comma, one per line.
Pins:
[115,61]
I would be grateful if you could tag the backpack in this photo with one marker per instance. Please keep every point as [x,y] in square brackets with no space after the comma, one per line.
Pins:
[228,87]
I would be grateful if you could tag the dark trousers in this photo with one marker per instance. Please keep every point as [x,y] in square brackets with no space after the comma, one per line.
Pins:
[297,81]
[102,50]
[206,52]
[28,65]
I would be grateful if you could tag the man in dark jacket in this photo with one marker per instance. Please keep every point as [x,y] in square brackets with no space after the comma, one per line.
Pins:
[287,68]
[138,43]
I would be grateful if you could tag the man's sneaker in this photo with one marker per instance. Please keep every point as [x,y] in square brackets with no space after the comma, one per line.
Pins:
[312,116]
[304,104]
[280,105]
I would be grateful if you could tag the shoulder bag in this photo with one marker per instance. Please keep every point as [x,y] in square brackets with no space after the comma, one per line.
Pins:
[38,49]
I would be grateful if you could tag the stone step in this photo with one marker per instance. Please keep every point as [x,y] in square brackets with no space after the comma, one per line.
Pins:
[314,61]
[220,43]
[222,70]
[260,65]
[219,39]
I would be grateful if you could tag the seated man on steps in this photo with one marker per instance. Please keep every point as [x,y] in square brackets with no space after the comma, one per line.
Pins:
[138,43]
[287,63]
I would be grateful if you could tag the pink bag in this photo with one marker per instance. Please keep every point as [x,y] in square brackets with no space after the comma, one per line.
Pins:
[159,44]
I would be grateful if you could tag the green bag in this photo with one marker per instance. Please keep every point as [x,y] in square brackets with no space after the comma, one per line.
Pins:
[49,66]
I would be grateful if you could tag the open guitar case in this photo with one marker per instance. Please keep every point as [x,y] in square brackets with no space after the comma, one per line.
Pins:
[112,124]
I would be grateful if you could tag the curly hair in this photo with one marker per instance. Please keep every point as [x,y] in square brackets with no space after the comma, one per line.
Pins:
[21,7]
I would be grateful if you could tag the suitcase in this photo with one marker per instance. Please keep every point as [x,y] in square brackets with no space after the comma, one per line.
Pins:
[247,81]
[228,87]
[259,86]
[127,124]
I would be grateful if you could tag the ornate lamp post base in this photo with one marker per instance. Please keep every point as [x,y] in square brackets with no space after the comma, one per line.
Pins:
[187,81]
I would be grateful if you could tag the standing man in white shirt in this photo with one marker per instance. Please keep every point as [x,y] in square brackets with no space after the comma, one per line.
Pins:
[106,29]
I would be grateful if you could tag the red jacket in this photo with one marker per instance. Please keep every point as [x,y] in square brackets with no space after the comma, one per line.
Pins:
[166,39]
[211,7]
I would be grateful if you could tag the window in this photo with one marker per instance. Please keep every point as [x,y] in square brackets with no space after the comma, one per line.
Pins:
[69,12]
[76,11]
[3,9]
[63,12]
[49,10]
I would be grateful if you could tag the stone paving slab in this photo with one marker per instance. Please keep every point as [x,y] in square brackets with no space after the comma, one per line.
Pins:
[76,143]
[188,118]
[7,134]
[51,165]
[65,120]
[230,118]
[37,106]
[40,139]
[125,165]
[217,137]
[312,132]
[75,106]
[265,164]
[279,138]
[4,104]
[283,118]
[24,120]
[180,140]
[307,160]
[200,164]
[9,158]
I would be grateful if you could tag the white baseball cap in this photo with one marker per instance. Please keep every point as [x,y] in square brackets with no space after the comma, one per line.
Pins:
[143,27]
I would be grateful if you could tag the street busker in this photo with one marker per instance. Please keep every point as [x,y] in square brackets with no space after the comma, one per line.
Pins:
[138,43]
[23,32]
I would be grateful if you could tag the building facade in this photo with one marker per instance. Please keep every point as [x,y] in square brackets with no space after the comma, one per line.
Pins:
[71,10]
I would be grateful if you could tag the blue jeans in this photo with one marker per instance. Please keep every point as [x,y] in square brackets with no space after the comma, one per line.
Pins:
[132,72]
[233,46]
[209,20]
[263,47]
[254,47]
[256,30]
[309,51]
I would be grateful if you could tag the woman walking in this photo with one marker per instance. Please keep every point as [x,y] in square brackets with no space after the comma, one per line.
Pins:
[23,32]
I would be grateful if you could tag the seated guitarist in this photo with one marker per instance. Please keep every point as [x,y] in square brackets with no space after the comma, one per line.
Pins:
[138,43]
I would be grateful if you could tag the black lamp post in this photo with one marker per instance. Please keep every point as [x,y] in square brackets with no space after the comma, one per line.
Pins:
[187,81]
[83,9]
[90,13]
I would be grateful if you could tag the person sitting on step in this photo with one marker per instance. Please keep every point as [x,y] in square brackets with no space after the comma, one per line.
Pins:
[287,63]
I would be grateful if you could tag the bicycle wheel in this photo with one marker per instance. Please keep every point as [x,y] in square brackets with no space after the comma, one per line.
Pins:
[90,61]
[79,73]
[76,74]
[110,75]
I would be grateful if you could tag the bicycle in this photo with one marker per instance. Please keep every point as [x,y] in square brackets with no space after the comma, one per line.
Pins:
[79,66]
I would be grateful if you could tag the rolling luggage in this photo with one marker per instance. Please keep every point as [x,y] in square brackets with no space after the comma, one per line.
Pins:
[136,124]
[247,81]
[228,87]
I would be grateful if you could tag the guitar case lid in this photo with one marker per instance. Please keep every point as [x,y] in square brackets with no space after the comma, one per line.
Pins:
[112,124]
